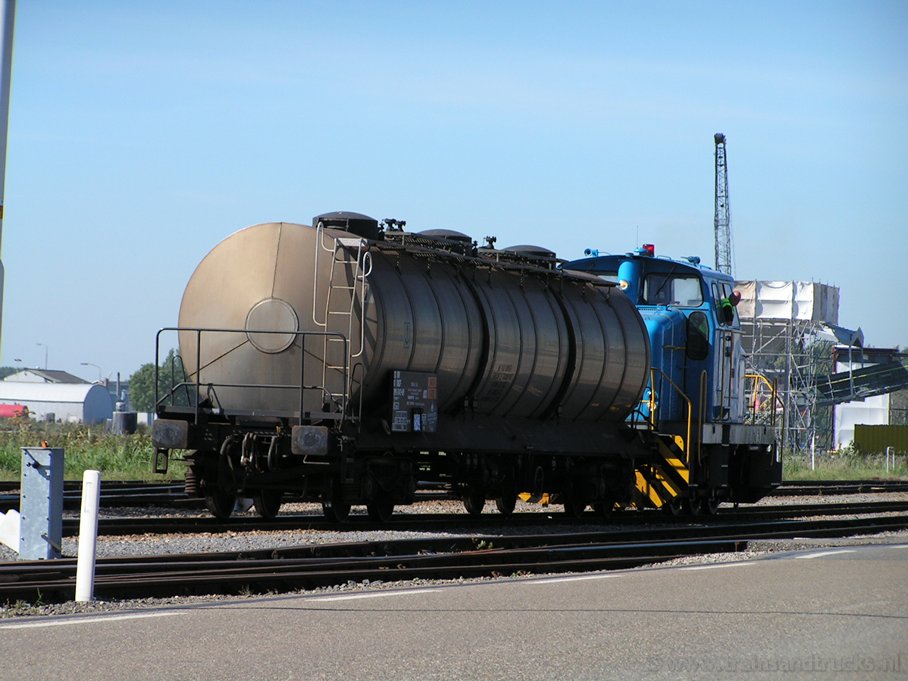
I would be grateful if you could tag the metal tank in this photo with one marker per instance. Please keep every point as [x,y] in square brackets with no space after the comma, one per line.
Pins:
[297,280]
[507,342]
[612,352]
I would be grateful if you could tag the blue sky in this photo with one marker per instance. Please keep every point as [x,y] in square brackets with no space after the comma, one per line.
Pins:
[143,133]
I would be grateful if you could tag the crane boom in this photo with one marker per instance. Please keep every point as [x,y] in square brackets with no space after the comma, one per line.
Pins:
[723,217]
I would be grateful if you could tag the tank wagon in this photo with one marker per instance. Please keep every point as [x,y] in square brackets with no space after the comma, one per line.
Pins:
[349,361]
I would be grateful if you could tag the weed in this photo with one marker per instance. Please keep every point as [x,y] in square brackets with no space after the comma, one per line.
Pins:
[118,457]
[844,464]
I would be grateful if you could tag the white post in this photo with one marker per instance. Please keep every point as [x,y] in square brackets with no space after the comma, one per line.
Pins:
[813,453]
[88,536]
[888,450]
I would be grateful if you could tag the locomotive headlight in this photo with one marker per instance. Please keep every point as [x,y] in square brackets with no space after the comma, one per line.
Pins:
[622,284]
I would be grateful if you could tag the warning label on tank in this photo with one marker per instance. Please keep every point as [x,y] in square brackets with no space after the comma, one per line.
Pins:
[414,402]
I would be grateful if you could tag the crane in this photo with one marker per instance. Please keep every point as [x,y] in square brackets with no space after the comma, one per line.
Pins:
[723,219]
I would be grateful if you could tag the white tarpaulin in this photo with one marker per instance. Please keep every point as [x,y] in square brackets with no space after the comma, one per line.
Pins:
[870,411]
[800,300]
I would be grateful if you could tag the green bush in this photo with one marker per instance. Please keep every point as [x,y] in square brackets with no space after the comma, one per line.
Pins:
[118,457]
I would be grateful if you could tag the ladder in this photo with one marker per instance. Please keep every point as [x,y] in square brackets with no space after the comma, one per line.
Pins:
[350,267]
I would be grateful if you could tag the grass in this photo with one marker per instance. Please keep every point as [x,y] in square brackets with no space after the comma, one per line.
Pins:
[843,465]
[118,457]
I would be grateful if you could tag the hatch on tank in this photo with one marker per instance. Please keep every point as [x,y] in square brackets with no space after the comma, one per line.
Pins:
[355,223]
[535,254]
[448,240]
[447,235]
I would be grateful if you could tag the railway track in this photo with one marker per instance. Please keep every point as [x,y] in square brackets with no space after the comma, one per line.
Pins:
[171,494]
[307,567]
[414,522]
[113,494]
[838,487]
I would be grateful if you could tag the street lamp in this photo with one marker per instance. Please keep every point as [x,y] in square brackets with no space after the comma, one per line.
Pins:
[89,364]
[44,345]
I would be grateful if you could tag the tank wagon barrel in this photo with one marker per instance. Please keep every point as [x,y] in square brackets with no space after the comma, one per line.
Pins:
[508,337]
[346,360]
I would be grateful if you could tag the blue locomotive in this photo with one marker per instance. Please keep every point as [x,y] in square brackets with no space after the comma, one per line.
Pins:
[696,390]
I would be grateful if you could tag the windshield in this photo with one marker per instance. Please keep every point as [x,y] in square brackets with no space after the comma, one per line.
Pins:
[668,289]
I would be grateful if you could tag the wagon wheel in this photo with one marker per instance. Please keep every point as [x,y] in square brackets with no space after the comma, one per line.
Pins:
[380,509]
[333,507]
[711,505]
[220,494]
[604,509]
[574,508]
[220,502]
[506,503]
[674,507]
[267,503]
[474,501]
[336,511]
[695,505]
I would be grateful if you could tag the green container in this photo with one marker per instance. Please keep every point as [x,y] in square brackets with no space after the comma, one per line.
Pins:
[875,439]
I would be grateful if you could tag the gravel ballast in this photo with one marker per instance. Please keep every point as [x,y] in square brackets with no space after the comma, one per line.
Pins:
[160,544]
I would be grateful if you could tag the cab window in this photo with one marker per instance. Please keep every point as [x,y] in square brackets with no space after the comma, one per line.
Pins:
[697,336]
[722,291]
[665,289]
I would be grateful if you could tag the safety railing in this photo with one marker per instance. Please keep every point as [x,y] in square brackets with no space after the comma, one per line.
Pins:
[192,385]
[654,406]
[775,400]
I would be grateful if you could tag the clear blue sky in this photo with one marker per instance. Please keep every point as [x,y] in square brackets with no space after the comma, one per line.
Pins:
[142,133]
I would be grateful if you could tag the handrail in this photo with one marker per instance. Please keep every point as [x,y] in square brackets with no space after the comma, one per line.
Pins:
[653,406]
[726,337]
[701,415]
[366,260]
[319,247]
[773,392]
[299,338]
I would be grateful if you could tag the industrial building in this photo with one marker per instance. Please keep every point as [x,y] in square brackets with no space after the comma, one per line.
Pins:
[827,381]
[88,403]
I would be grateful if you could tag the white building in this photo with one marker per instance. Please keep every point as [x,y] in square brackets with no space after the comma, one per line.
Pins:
[43,376]
[871,375]
[67,402]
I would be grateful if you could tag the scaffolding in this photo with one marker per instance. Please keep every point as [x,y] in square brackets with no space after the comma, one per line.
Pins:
[789,330]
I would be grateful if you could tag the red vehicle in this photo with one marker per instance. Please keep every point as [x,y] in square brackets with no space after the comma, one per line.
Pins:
[11,411]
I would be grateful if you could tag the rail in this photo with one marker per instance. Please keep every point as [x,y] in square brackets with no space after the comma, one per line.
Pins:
[292,568]
[195,400]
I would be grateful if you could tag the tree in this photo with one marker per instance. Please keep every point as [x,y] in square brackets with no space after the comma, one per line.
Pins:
[142,383]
